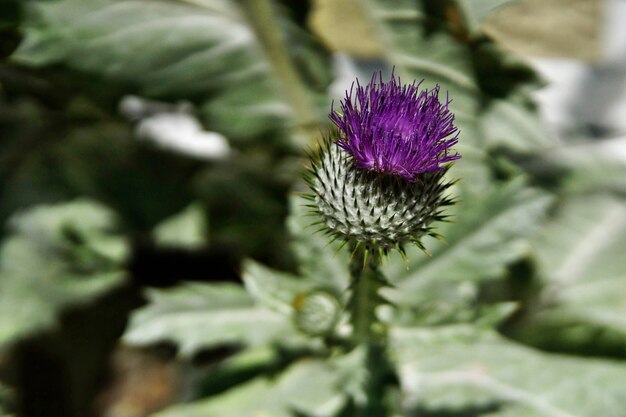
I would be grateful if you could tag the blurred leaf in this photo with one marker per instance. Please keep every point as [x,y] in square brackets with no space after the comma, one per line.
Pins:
[474,169]
[579,168]
[528,27]
[514,124]
[492,315]
[56,152]
[205,50]
[583,242]
[198,316]
[475,11]
[187,229]
[580,260]
[56,257]
[456,368]
[309,387]
[5,393]
[343,26]
[488,234]
[273,289]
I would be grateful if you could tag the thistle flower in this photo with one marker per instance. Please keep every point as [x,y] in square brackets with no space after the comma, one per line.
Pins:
[396,129]
[380,181]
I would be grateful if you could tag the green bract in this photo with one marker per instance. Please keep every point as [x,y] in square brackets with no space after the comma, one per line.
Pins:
[380,211]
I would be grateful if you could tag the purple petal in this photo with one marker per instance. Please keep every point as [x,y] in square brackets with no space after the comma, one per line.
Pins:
[396,129]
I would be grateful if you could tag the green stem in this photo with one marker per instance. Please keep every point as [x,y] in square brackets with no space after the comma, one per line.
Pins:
[368,332]
[263,17]
[367,280]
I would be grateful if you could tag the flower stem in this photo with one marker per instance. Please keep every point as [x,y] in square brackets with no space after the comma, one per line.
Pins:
[367,280]
[368,332]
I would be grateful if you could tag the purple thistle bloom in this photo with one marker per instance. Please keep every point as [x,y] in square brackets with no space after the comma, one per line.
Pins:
[396,129]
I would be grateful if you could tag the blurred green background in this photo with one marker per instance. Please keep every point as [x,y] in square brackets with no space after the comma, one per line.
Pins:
[153,244]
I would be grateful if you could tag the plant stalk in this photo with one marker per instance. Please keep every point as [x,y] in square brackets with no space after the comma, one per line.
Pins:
[367,280]
[368,332]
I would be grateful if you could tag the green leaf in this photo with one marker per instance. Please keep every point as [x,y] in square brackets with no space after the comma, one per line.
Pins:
[514,123]
[198,316]
[492,315]
[457,368]
[309,387]
[55,257]
[273,289]
[187,229]
[488,233]
[580,261]
[475,11]
[202,49]
[581,167]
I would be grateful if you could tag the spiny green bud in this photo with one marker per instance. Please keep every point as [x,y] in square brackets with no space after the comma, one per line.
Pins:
[378,210]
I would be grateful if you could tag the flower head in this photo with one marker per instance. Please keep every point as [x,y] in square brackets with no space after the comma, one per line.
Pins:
[396,129]
[380,182]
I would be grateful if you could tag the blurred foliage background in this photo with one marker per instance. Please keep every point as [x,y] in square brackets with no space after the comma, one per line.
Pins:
[154,246]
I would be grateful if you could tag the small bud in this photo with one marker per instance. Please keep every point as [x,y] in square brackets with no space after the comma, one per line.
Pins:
[316,313]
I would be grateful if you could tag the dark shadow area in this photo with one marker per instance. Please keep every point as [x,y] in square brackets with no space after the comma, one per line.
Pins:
[475,411]
[58,373]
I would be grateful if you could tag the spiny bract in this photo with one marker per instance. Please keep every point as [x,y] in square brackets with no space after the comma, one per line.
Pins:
[380,181]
